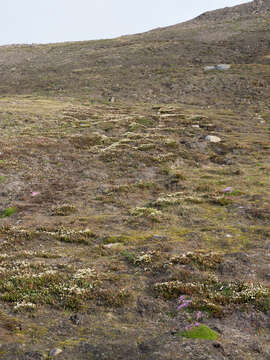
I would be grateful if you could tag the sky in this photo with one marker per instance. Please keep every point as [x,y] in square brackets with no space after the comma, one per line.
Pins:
[49,21]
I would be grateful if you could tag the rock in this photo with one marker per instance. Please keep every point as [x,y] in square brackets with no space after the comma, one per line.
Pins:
[223,67]
[159,237]
[103,189]
[208,68]
[217,67]
[55,352]
[112,245]
[213,139]
[75,319]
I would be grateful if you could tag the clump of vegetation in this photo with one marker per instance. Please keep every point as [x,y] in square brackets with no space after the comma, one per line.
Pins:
[200,332]
[16,233]
[85,142]
[174,199]
[112,239]
[69,236]
[147,122]
[202,260]
[9,323]
[113,297]
[168,200]
[24,306]
[8,212]
[215,295]
[43,285]
[28,286]
[63,210]
[144,259]
[194,329]
[148,212]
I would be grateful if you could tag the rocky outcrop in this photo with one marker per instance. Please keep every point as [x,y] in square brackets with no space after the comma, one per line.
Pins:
[244,10]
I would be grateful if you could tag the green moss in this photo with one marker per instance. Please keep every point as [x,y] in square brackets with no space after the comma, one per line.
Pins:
[8,212]
[200,332]
[116,239]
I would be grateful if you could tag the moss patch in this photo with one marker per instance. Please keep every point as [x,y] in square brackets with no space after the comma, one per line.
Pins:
[8,212]
[200,332]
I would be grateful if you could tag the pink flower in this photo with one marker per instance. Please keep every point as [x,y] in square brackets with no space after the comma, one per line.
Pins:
[34,193]
[184,305]
[181,298]
[228,189]
[198,315]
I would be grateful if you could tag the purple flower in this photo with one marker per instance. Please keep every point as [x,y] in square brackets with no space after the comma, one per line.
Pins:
[198,315]
[228,189]
[197,323]
[181,298]
[184,305]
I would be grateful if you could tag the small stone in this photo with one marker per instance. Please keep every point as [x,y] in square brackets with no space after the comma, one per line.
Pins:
[159,237]
[223,67]
[213,139]
[196,126]
[55,352]
[208,68]
[75,319]
[112,245]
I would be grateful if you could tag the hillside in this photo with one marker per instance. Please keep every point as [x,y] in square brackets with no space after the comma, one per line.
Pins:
[161,65]
[110,211]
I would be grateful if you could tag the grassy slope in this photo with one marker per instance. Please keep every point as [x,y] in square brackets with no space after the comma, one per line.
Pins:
[120,207]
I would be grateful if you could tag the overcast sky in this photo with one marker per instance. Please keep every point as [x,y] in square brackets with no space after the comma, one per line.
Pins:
[44,21]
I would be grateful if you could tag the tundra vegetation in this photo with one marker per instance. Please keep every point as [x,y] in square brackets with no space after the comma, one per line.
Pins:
[111,211]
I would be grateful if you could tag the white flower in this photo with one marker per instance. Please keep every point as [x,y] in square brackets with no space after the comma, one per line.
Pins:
[24,305]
